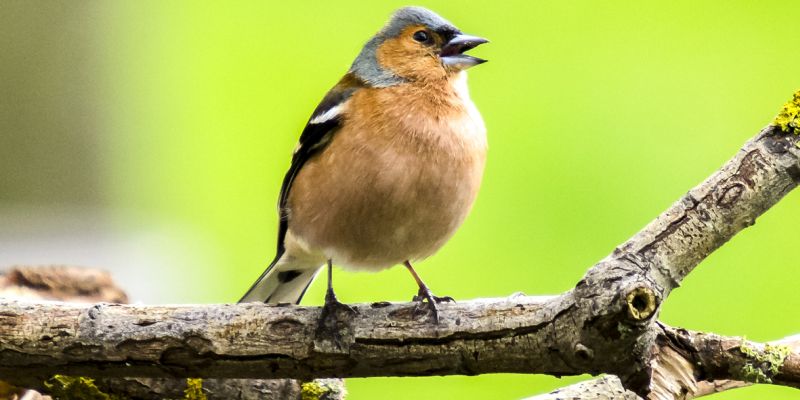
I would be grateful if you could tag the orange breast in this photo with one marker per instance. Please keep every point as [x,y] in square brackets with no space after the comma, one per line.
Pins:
[395,182]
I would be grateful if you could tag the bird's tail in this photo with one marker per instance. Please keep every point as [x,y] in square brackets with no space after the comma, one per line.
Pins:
[282,282]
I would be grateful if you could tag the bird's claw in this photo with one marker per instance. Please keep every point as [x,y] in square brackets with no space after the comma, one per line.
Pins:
[333,304]
[434,299]
[424,296]
[333,320]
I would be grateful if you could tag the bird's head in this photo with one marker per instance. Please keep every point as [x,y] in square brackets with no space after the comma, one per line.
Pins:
[415,45]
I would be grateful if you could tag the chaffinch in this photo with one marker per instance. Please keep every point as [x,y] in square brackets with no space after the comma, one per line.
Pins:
[387,167]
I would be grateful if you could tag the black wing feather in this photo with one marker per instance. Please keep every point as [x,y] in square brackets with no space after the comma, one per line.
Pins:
[312,141]
[314,135]
[314,138]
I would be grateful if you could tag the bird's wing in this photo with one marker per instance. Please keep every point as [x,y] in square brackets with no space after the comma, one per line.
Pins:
[282,281]
[319,130]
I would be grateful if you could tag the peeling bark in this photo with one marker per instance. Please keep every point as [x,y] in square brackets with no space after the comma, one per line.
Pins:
[688,365]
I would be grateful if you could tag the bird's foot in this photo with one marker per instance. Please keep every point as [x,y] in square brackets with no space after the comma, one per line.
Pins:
[334,321]
[333,306]
[425,296]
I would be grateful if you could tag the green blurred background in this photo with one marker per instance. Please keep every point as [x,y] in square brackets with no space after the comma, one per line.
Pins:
[150,138]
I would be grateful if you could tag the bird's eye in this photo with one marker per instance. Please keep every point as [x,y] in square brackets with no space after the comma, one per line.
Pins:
[421,36]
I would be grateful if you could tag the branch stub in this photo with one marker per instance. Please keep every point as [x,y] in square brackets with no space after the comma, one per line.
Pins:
[642,303]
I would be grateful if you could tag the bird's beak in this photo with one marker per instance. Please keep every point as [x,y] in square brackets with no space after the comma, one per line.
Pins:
[453,52]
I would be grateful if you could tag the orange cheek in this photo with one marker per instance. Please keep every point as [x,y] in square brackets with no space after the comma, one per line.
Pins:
[408,60]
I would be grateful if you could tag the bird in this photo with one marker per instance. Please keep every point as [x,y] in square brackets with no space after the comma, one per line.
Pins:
[387,167]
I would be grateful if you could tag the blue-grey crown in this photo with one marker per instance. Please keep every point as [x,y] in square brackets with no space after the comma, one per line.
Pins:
[366,66]
[415,16]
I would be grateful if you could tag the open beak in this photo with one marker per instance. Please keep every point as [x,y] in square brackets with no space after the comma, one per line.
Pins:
[453,52]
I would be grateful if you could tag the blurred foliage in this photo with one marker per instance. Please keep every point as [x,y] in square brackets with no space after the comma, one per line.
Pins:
[600,115]
[47,125]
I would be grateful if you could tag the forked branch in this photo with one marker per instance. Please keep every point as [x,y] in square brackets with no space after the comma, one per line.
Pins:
[606,324]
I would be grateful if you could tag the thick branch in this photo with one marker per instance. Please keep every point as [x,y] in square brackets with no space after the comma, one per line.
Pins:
[710,357]
[689,365]
[83,285]
[669,248]
[610,388]
[262,341]
[183,341]
[60,282]
[605,325]
[605,388]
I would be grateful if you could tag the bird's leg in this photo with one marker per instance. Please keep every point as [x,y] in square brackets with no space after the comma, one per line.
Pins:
[331,302]
[329,320]
[425,294]
[330,296]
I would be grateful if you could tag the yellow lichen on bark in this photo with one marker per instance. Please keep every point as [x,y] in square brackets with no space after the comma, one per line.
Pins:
[788,119]
[763,365]
[194,389]
[75,388]
[311,391]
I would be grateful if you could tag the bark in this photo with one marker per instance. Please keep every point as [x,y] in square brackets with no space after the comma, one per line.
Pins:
[605,388]
[610,388]
[115,341]
[60,282]
[606,324]
[87,285]
[689,365]
[686,362]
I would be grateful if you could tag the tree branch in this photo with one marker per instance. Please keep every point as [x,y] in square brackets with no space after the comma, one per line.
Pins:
[710,357]
[605,325]
[263,341]
[689,365]
[610,388]
[85,285]
[60,282]
[605,388]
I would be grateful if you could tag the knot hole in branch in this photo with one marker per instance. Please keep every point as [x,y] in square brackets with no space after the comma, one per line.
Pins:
[583,353]
[642,303]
